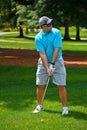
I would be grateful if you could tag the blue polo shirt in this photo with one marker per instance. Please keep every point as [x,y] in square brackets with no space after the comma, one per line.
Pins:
[46,42]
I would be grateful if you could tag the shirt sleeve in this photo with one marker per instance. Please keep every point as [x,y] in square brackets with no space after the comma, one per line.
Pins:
[39,45]
[58,40]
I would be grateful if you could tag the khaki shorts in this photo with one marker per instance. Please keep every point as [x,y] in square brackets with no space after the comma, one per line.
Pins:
[59,75]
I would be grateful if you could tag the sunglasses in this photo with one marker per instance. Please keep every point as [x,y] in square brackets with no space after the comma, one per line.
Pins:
[48,25]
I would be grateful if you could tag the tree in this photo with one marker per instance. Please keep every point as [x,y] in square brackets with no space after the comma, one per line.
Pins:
[78,15]
[5,7]
[15,12]
[26,16]
[65,13]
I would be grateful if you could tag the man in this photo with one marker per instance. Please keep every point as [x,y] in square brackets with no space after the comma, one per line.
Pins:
[49,45]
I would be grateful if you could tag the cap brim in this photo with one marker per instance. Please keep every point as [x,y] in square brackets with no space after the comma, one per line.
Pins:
[49,21]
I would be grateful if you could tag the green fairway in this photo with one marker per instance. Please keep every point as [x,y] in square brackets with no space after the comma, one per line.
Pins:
[20,44]
[11,40]
[75,46]
[18,100]
[29,44]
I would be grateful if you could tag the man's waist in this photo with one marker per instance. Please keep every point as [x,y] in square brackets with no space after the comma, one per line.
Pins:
[51,61]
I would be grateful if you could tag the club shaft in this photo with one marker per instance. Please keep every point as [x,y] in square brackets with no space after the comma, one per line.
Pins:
[45,90]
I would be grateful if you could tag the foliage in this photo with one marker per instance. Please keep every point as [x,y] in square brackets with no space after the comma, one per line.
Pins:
[26,14]
[58,10]
[64,13]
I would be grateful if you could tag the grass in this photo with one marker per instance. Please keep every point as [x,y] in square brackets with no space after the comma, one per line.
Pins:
[75,46]
[11,41]
[19,44]
[18,100]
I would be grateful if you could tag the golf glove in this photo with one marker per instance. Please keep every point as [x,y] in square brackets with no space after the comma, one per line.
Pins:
[52,67]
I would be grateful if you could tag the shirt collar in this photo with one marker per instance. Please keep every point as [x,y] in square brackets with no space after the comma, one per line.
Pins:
[45,33]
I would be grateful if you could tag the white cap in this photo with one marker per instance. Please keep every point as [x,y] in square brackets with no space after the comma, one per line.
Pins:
[44,20]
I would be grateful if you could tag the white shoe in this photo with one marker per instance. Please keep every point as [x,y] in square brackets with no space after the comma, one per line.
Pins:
[38,109]
[65,111]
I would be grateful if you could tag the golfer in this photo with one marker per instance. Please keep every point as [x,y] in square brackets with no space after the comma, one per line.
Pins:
[50,64]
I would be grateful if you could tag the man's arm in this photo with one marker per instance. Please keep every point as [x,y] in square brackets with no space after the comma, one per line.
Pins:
[55,55]
[45,62]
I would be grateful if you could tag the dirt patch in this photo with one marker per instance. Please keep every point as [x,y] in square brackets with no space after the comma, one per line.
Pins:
[29,58]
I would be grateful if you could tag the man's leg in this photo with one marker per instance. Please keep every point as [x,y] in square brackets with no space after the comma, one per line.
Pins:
[63,95]
[39,93]
[41,81]
[63,98]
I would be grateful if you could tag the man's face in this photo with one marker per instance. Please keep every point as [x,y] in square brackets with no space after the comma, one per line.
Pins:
[47,27]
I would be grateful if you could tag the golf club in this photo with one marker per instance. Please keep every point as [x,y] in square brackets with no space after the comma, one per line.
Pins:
[45,90]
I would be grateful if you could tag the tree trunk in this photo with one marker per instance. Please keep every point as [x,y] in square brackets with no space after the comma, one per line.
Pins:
[21,32]
[66,36]
[77,33]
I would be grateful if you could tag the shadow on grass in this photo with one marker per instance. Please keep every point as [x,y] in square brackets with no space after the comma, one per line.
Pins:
[17,101]
[78,115]
[17,88]
[74,114]
[50,111]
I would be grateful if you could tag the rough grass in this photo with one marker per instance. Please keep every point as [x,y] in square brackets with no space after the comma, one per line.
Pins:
[18,100]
